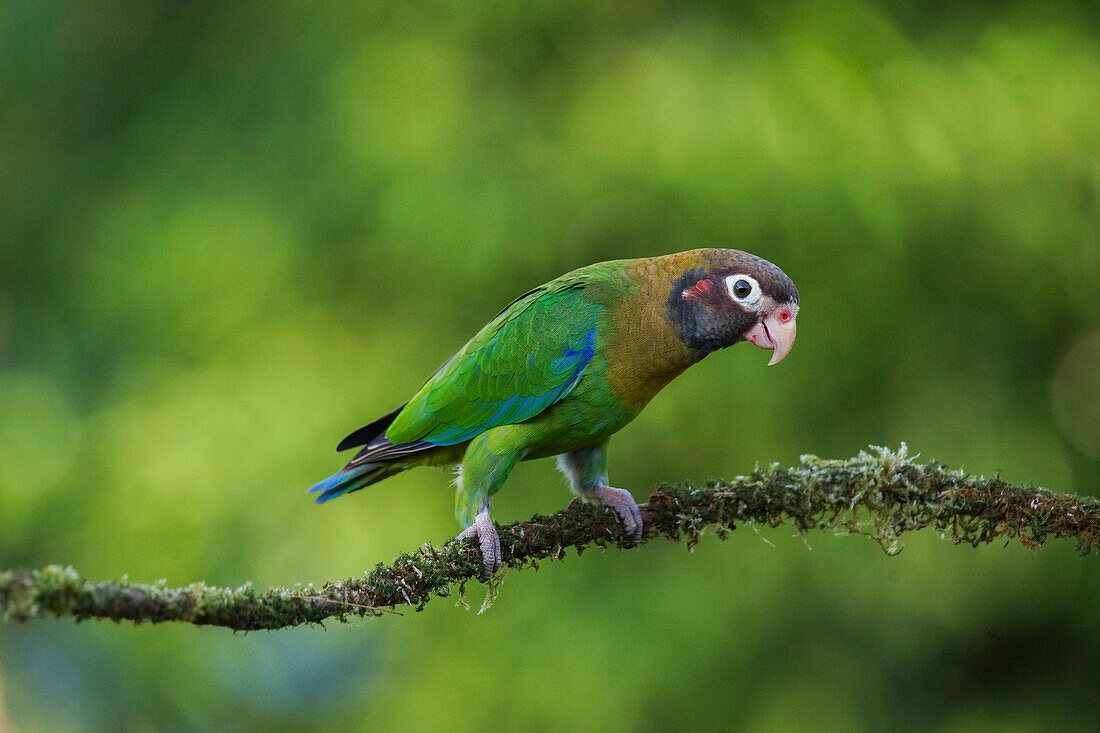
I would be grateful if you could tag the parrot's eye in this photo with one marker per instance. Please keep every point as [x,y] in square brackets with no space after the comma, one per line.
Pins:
[744,289]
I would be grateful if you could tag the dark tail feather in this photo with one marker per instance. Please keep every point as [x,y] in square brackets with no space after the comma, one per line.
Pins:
[366,434]
[378,459]
[352,479]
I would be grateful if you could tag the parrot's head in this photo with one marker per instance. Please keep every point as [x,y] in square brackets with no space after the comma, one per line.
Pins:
[732,296]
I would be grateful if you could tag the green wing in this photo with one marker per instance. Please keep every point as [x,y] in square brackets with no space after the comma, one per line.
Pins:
[526,359]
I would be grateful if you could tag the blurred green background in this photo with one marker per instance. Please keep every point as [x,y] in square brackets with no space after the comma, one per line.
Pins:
[230,234]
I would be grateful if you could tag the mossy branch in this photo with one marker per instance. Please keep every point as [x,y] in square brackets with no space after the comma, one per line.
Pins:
[881,494]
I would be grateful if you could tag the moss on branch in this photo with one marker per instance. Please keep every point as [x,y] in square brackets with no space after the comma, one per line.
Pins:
[882,494]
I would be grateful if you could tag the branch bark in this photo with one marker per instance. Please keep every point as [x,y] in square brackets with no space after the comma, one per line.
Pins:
[882,494]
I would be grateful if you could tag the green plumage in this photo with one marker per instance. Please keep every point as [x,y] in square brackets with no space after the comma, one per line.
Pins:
[522,369]
[559,371]
[526,359]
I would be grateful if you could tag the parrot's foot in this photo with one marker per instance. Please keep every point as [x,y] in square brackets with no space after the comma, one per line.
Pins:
[487,537]
[622,502]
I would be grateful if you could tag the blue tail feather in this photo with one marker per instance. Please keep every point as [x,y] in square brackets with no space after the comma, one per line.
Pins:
[345,482]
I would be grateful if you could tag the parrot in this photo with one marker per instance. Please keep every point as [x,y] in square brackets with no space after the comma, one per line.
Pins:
[564,367]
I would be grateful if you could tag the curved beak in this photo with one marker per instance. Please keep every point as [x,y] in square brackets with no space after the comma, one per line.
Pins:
[775,332]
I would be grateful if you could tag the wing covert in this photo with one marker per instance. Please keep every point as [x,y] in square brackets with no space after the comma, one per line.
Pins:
[526,359]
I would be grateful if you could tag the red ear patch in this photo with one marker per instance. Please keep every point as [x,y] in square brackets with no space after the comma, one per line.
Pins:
[700,289]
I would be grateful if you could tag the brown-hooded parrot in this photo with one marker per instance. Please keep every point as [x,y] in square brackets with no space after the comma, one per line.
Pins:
[564,367]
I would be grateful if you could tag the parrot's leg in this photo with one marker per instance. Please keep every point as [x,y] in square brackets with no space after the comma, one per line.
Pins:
[487,537]
[489,459]
[587,472]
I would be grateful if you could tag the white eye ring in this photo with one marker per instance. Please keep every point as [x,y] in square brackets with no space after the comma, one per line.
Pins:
[752,299]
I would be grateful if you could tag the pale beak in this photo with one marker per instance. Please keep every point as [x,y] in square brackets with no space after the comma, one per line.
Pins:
[776,332]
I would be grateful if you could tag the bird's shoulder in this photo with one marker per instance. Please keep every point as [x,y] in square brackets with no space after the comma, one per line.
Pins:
[602,283]
[524,360]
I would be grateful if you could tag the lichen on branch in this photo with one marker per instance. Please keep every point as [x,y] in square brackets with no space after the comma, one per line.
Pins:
[882,494]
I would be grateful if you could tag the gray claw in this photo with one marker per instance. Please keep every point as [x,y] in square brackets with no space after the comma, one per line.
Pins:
[487,537]
[623,502]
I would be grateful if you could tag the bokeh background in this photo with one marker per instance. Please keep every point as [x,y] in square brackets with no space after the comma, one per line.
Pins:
[230,234]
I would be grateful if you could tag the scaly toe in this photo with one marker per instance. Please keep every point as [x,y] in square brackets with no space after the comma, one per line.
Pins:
[636,515]
[624,505]
[490,552]
[489,542]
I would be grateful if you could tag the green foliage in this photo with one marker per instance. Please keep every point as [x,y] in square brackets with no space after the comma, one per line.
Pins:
[229,234]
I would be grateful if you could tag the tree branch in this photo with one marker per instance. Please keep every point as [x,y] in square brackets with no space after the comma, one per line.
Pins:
[881,494]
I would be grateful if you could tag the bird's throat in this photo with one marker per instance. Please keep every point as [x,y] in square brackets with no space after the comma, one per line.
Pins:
[644,350]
